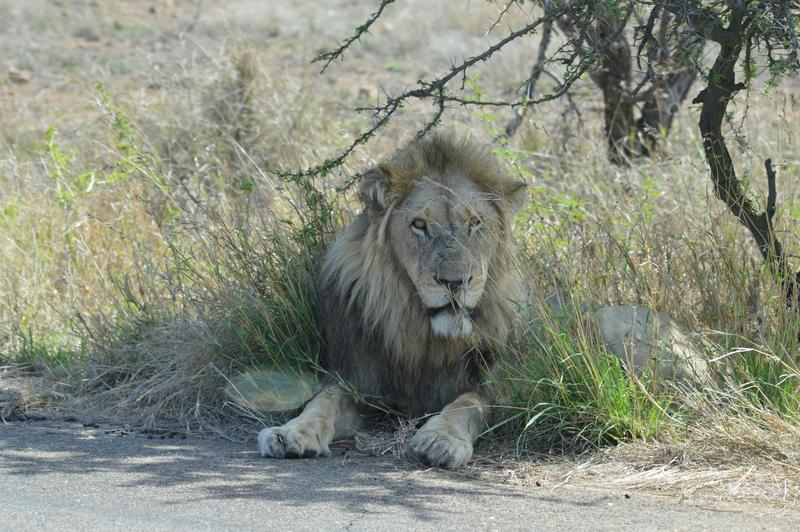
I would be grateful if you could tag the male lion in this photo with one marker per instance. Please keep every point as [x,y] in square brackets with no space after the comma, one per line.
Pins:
[414,295]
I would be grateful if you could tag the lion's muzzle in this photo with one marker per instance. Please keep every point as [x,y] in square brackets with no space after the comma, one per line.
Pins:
[453,307]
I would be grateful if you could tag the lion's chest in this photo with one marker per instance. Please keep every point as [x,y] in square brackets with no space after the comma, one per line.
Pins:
[415,383]
[428,385]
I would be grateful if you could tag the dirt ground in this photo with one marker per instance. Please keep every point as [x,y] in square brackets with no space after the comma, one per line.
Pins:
[31,410]
[58,51]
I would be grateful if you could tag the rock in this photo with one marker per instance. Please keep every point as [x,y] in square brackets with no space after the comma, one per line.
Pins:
[86,34]
[18,76]
[652,341]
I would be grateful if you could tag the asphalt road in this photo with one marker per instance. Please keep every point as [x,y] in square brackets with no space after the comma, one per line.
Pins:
[66,476]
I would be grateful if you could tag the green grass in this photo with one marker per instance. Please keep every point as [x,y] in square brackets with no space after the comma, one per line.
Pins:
[39,352]
[563,392]
[220,288]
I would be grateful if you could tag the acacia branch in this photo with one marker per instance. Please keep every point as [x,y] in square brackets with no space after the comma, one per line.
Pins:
[427,88]
[647,36]
[333,55]
[500,16]
[435,89]
[791,29]
[561,90]
[702,20]
[530,85]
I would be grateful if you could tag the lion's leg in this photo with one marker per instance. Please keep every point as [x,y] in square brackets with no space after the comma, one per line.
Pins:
[331,414]
[446,439]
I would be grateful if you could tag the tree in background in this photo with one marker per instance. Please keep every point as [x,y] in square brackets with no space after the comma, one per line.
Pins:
[672,52]
[608,40]
[749,37]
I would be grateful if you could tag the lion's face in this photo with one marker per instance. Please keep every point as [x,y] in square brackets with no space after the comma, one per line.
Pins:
[445,234]
[440,210]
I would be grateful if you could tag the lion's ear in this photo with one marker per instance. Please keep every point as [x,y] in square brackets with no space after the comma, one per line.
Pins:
[516,195]
[374,189]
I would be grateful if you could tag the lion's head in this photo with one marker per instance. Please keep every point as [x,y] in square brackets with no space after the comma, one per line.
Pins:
[433,249]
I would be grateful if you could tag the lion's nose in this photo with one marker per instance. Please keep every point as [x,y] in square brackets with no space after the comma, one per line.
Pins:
[453,284]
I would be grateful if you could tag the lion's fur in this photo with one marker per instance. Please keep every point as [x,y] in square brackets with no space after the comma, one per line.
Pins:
[379,338]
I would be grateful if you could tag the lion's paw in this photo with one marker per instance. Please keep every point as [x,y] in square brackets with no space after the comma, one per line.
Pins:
[291,442]
[441,448]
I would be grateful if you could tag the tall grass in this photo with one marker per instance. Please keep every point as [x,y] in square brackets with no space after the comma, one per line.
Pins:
[563,392]
[150,259]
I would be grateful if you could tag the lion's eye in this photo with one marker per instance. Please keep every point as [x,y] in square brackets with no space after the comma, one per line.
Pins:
[419,226]
[475,223]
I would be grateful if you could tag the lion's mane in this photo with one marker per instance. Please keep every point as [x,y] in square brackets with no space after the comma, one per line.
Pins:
[379,339]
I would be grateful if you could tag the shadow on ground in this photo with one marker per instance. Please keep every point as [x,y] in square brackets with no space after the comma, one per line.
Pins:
[206,469]
[66,475]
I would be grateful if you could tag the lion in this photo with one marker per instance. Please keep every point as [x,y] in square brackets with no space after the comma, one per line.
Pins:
[415,295]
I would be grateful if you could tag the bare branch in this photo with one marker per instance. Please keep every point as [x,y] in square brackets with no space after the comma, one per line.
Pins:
[772,193]
[435,89]
[647,35]
[530,86]
[333,55]
[500,16]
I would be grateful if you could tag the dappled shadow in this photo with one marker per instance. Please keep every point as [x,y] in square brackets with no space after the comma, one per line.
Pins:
[198,469]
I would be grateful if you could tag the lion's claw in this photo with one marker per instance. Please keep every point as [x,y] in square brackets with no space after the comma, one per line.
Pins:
[441,449]
[290,442]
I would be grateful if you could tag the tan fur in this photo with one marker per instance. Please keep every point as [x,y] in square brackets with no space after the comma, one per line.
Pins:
[375,282]
[446,439]
[329,415]
[413,315]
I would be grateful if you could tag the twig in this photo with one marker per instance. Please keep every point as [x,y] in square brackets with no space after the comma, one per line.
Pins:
[772,193]
[333,55]
[436,88]
[647,37]
[530,85]
[500,16]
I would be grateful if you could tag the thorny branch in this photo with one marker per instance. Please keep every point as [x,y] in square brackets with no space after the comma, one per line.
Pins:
[530,85]
[436,89]
[333,55]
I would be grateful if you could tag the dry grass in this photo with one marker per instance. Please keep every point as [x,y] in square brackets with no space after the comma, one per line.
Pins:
[149,253]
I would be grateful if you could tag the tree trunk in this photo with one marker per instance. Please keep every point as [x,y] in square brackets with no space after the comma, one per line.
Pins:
[714,99]
[628,137]
[614,79]
[660,108]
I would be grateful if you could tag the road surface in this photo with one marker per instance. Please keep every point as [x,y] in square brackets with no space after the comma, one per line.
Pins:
[67,476]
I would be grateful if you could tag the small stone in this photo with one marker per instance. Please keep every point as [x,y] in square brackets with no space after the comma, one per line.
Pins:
[18,76]
[86,34]
[364,93]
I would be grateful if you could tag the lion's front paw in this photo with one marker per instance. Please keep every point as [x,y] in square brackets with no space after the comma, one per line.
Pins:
[441,448]
[291,442]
